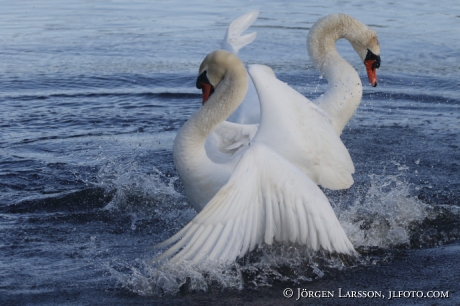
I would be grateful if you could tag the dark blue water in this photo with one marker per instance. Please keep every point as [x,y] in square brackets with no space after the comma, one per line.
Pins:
[93,93]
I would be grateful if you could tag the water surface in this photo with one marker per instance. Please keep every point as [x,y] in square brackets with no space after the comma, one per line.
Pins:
[93,93]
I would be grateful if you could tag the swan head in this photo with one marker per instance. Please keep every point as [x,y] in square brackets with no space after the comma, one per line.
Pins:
[367,46]
[213,70]
[326,31]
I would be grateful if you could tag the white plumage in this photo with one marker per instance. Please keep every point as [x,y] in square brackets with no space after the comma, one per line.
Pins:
[266,199]
[253,184]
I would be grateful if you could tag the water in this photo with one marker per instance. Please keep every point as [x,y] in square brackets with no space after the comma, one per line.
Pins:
[93,93]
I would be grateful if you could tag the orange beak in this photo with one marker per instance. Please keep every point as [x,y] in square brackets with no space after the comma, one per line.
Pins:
[206,89]
[371,72]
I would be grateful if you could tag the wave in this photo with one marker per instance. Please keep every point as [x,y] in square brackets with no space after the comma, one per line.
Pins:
[85,199]
[159,93]
[421,98]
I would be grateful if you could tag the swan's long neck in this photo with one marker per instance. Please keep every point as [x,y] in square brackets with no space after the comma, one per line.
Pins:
[195,168]
[227,97]
[344,90]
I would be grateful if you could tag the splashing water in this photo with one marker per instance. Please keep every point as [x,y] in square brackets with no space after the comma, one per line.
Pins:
[383,217]
[148,196]
[388,216]
[263,267]
[127,178]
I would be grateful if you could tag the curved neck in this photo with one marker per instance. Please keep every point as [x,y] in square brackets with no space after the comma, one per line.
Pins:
[344,91]
[191,138]
[227,97]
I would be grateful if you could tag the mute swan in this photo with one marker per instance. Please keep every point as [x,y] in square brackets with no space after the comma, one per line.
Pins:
[267,190]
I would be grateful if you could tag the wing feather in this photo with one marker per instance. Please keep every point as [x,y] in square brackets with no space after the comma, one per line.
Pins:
[223,239]
[265,199]
[210,243]
[192,246]
[228,139]
[276,218]
[247,233]
[269,226]
[313,235]
[301,214]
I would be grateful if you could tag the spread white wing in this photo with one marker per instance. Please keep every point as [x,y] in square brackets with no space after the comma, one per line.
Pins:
[301,132]
[266,199]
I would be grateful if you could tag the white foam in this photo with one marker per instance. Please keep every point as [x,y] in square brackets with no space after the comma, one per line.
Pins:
[382,216]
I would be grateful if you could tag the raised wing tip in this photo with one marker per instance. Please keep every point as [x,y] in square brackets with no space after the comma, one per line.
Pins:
[242,41]
[233,41]
[243,22]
